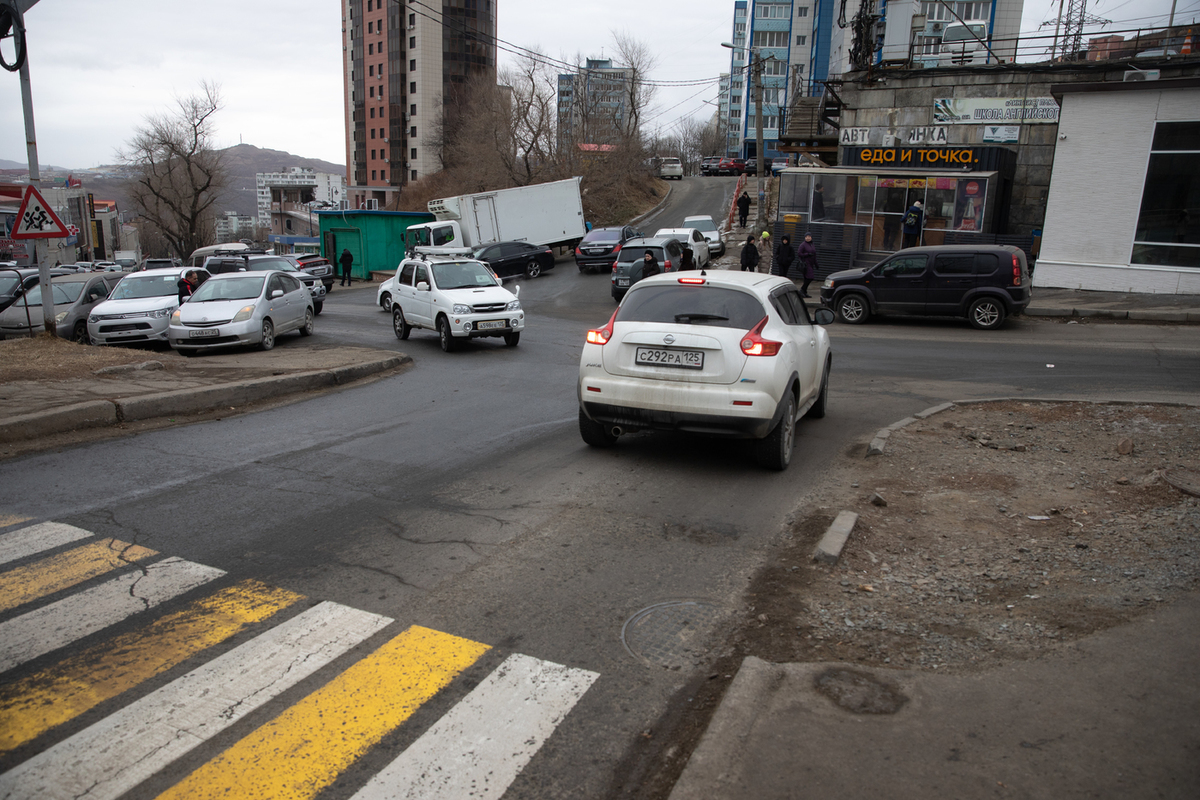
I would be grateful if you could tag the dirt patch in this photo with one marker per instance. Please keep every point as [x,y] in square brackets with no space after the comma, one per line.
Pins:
[1009,529]
[54,358]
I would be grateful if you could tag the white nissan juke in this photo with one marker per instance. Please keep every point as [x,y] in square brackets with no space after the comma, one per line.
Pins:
[724,353]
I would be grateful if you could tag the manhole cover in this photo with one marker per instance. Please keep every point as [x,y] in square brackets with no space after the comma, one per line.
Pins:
[670,634]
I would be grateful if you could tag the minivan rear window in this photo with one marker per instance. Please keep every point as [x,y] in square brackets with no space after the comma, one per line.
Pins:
[696,305]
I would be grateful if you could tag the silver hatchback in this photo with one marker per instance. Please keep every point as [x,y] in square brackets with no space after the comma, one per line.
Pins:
[242,308]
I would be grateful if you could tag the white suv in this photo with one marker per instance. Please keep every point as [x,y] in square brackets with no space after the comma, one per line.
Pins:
[457,296]
[721,353]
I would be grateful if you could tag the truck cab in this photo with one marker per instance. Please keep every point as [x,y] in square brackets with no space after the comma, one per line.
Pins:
[445,233]
[964,44]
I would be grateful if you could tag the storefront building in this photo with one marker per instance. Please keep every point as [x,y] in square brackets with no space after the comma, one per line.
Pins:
[1123,211]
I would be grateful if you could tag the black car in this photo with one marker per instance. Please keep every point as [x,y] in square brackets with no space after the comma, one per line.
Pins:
[515,258]
[668,252]
[983,283]
[599,249]
[315,265]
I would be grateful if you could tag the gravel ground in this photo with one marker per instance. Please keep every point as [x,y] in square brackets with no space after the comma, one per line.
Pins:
[992,531]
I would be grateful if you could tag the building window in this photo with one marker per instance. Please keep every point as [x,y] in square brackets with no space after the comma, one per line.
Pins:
[412,153]
[412,87]
[370,91]
[412,65]
[770,39]
[412,20]
[381,135]
[413,109]
[802,11]
[770,11]
[373,175]
[372,112]
[369,2]
[412,132]
[372,133]
[370,49]
[412,43]
[801,40]
[383,175]
[372,155]
[1167,233]
[370,27]
[414,174]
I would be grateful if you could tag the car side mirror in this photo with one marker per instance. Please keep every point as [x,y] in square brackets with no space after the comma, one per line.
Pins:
[276,293]
[823,316]
[422,287]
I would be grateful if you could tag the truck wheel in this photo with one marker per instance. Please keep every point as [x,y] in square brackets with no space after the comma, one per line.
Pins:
[533,269]
[447,338]
[385,302]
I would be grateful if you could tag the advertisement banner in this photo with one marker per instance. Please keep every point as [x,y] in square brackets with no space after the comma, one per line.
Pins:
[996,110]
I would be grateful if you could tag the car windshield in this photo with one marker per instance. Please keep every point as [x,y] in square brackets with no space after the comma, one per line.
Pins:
[241,287]
[264,264]
[603,235]
[138,286]
[692,305]
[704,224]
[461,275]
[961,33]
[63,294]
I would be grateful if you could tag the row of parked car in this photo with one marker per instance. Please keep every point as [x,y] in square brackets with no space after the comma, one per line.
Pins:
[716,165]
[618,250]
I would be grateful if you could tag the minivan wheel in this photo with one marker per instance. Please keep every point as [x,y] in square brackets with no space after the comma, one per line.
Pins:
[986,313]
[852,309]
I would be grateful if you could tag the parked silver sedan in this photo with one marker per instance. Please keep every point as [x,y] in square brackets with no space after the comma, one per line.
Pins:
[74,297]
[241,308]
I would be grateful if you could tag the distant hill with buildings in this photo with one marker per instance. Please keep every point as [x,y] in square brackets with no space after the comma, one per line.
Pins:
[242,160]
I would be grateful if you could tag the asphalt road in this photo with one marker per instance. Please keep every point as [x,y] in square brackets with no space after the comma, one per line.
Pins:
[459,497]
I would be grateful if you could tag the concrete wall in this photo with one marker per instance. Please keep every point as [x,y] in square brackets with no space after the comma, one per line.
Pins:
[1099,176]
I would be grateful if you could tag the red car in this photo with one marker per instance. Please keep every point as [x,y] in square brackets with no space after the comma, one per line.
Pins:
[731,166]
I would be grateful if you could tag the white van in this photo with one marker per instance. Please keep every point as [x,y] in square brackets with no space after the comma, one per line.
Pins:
[961,44]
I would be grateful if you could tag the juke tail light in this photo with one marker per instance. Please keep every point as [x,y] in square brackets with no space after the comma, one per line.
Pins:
[602,335]
[753,344]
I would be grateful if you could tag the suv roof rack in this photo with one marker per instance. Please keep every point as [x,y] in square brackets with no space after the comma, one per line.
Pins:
[429,250]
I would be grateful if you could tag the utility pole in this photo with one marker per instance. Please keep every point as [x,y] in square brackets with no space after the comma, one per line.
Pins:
[760,214]
[41,252]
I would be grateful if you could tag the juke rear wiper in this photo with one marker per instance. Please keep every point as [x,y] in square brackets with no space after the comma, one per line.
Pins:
[683,319]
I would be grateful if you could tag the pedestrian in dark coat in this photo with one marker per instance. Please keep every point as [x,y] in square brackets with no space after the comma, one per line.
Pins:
[187,285]
[649,266]
[806,254]
[912,224]
[784,256]
[743,206]
[346,260]
[750,256]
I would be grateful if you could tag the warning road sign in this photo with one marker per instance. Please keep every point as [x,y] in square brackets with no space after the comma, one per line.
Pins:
[36,220]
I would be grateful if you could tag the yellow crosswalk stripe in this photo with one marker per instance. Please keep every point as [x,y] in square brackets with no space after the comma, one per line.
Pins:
[12,519]
[58,572]
[37,703]
[303,751]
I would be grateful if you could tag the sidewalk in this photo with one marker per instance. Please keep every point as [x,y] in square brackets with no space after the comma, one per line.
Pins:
[166,384]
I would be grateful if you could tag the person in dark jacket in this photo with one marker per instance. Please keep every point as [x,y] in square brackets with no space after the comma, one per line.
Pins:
[346,260]
[649,266]
[784,256]
[187,285]
[743,205]
[750,256]
[806,254]
[912,224]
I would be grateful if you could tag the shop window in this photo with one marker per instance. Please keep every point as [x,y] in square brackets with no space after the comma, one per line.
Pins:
[1168,228]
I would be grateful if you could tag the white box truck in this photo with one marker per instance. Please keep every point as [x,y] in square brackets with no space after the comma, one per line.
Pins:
[544,214]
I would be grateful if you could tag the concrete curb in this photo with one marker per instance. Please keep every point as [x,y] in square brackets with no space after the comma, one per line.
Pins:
[654,210]
[829,549]
[102,413]
[1141,315]
[90,414]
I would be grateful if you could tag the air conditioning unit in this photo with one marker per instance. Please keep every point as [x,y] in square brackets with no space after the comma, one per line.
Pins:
[934,28]
[1141,75]
[406,116]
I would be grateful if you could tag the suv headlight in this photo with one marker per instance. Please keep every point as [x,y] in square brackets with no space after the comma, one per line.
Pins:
[515,305]
[828,284]
[162,312]
[92,318]
[459,308]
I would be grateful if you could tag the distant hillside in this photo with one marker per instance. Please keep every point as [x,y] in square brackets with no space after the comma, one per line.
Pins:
[242,161]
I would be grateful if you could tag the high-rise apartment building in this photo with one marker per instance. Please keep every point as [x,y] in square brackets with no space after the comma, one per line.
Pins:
[297,186]
[401,59]
[592,104]
[791,39]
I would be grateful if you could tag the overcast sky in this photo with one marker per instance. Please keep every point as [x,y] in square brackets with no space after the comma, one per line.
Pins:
[99,68]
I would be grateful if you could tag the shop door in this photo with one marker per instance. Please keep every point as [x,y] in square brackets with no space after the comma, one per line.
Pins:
[900,284]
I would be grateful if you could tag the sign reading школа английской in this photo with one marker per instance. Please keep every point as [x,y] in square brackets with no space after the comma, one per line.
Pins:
[994,110]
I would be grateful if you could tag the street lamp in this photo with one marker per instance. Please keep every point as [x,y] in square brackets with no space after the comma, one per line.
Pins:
[756,60]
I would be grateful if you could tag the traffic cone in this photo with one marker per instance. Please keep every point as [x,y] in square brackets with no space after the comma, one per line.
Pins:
[1186,50]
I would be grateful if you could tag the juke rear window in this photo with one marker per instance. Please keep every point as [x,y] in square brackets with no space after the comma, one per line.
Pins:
[695,305]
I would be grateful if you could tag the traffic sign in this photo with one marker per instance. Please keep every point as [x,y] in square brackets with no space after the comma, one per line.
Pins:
[36,220]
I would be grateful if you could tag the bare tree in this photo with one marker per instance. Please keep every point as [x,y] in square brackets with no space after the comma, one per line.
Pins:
[639,61]
[179,175]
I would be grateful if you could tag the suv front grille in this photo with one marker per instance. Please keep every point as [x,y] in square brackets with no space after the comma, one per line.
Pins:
[488,308]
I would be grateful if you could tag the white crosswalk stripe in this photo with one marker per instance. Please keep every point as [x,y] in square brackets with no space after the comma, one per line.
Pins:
[37,539]
[48,628]
[479,747]
[117,753]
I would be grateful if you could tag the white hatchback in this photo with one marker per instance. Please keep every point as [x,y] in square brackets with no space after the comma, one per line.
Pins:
[724,353]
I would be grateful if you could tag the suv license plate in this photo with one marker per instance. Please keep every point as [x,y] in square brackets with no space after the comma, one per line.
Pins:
[491,324]
[622,282]
[660,357]
[204,333]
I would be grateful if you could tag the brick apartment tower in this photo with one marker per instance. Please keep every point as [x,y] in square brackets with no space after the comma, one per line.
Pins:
[400,58]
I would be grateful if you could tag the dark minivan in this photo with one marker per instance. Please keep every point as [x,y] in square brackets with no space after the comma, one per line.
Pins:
[984,283]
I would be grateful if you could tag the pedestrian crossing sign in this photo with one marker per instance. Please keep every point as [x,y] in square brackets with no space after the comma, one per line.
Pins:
[36,220]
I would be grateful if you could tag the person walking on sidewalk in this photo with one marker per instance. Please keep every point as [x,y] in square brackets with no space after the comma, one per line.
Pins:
[346,260]
[806,254]
[743,206]
[912,224]
[784,256]
[750,256]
